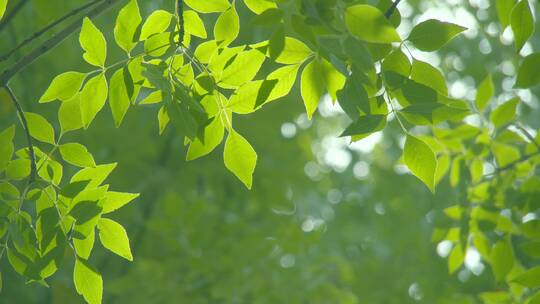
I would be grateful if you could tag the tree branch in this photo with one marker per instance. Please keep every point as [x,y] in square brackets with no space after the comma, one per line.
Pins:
[6,76]
[47,28]
[12,14]
[31,153]
[392,8]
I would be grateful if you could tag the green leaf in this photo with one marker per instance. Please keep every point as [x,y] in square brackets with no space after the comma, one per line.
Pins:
[456,258]
[535,299]
[213,136]
[504,8]
[156,23]
[3,5]
[240,158]
[69,115]
[194,24]
[294,51]
[6,147]
[484,93]
[96,175]
[286,77]
[522,23]
[368,23]
[259,6]
[227,27]
[18,169]
[505,154]
[93,97]
[364,126]
[118,97]
[312,86]
[421,160]
[432,34]
[158,44]
[77,155]
[426,74]
[504,113]
[84,247]
[249,97]
[532,249]
[63,87]
[93,43]
[40,128]
[243,69]
[529,74]
[116,200]
[128,20]
[502,260]
[114,237]
[530,278]
[397,62]
[208,6]
[88,282]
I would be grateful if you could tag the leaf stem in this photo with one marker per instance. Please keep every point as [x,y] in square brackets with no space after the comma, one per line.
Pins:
[392,8]
[24,123]
[47,28]
[12,14]
[39,51]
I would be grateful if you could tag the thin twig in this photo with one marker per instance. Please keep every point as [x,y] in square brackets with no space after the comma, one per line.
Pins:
[52,42]
[24,123]
[180,21]
[527,134]
[392,8]
[514,163]
[47,28]
[12,14]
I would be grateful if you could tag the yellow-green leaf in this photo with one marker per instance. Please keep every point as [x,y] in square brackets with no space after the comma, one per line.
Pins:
[69,115]
[259,6]
[194,24]
[522,23]
[432,34]
[240,158]
[484,92]
[114,237]
[93,43]
[63,87]
[88,282]
[156,23]
[77,155]
[421,160]
[93,97]
[368,23]
[312,86]
[208,6]
[294,51]
[40,128]
[128,20]
[227,27]
[529,74]
[118,97]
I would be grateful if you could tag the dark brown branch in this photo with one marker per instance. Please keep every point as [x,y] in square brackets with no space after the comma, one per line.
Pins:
[392,8]
[12,14]
[47,28]
[31,153]
[52,42]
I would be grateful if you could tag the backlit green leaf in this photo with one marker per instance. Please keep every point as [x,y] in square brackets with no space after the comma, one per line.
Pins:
[502,259]
[522,23]
[369,24]
[114,237]
[240,158]
[93,43]
[426,74]
[312,86]
[128,20]
[93,97]
[118,96]
[63,87]
[156,23]
[88,282]
[40,128]
[77,155]
[529,74]
[18,169]
[208,6]
[116,200]
[194,24]
[504,113]
[69,114]
[364,126]
[456,259]
[484,92]
[243,69]
[432,34]
[227,27]
[3,5]
[259,6]
[294,51]
[504,8]
[421,160]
